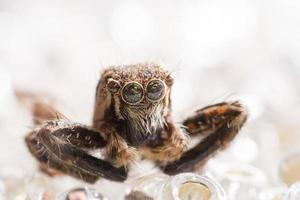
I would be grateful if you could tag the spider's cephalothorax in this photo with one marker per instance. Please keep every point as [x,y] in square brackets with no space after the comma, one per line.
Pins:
[132,120]
[137,101]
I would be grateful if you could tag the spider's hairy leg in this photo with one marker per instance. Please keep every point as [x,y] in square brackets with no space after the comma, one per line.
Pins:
[61,145]
[51,166]
[219,124]
[41,106]
[206,120]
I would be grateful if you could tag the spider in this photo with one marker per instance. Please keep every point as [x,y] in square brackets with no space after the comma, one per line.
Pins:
[132,121]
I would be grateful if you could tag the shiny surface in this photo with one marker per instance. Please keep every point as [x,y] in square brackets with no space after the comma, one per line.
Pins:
[132,93]
[189,185]
[194,191]
[294,192]
[155,90]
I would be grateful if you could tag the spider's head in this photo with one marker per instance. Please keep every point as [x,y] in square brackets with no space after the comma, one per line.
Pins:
[139,94]
[140,86]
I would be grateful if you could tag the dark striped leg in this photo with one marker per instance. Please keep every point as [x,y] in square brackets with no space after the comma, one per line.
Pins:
[219,124]
[60,147]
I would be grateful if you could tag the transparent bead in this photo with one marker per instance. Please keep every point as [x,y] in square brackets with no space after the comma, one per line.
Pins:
[289,168]
[274,193]
[294,192]
[243,182]
[149,185]
[81,193]
[190,186]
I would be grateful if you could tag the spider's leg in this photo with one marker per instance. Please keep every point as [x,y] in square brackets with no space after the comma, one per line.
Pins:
[41,106]
[219,124]
[60,145]
[51,166]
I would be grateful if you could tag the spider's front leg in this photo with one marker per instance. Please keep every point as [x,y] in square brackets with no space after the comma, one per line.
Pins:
[218,124]
[61,145]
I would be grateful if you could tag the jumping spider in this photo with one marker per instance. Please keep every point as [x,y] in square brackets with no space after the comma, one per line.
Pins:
[132,120]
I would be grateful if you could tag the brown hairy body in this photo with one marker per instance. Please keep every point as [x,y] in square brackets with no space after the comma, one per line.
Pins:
[132,120]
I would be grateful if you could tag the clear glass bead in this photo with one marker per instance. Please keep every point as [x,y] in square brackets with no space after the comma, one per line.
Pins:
[150,185]
[273,193]
[82,194]
[243,182]
[294,192]
[190,186]
[289,168]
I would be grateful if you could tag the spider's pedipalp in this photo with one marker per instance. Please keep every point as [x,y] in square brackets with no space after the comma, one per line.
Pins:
[219,123]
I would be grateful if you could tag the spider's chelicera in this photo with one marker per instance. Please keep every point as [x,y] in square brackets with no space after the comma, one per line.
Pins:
[132,121]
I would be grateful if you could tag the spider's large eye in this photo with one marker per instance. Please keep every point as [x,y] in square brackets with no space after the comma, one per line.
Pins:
[132,93]
[155,90]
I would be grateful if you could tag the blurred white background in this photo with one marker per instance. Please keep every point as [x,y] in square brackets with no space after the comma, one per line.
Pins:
[216,49]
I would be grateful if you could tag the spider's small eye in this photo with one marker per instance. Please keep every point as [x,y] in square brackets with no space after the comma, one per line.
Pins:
[155,90]
[113,86]
[132,93]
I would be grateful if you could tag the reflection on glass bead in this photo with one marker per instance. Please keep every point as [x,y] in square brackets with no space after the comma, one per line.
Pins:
[81,194]
[94,195]
[137,195]
[244,173]
[294,192]
[289,168]
[190,186]
[243,182]
[150,185]
[275,193]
